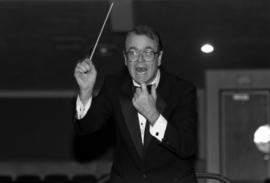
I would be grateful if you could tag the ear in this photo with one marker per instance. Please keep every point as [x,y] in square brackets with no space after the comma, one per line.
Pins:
[125,58]
[160,58]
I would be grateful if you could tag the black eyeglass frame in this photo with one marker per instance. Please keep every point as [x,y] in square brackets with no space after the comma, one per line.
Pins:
[141,52]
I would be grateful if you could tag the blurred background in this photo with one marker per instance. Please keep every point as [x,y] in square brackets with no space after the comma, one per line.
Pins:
[42,40]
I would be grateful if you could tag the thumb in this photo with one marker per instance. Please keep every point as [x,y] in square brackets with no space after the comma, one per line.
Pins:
[154,91]
[143,86]
[88,60]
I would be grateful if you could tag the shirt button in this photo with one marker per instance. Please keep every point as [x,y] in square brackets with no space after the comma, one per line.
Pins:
[157,134]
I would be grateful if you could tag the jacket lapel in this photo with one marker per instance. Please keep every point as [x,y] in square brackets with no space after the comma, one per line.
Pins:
[130,113]
[162,93]
[130,116]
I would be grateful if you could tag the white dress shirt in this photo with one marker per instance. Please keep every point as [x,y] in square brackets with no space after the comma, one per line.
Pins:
[157,130]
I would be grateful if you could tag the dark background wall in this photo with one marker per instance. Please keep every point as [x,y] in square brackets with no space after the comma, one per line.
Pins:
[41,41]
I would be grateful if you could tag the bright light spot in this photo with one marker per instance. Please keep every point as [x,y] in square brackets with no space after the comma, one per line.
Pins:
[262,134]
[262,138]
[207,48]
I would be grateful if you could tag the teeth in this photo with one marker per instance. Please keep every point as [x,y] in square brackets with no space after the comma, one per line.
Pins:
[141,69]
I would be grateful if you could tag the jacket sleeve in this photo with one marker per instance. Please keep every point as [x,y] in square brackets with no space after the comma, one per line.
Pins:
[181,132]
[98,114]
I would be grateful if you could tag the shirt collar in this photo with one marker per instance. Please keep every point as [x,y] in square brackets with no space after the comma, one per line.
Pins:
[155,81]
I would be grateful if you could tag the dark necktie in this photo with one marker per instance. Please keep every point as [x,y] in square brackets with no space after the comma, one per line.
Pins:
[147,86]
[147,135]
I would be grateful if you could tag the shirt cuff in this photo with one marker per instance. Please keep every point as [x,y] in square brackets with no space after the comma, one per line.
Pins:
[82,109]
[159,128]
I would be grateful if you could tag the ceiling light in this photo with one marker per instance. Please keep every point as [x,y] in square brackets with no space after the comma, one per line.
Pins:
[207,48]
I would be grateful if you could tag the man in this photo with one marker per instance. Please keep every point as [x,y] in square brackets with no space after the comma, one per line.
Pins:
[156,130]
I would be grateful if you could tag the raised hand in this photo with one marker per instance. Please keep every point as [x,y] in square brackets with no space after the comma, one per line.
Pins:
[145,103]
[85,74]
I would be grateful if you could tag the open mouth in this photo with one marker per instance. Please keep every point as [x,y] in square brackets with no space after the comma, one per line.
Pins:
[141,69]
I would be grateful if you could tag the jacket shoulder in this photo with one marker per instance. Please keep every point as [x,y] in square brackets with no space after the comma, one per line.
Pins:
[178,82]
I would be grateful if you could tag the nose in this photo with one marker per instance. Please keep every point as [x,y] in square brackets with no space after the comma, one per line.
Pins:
[140,57]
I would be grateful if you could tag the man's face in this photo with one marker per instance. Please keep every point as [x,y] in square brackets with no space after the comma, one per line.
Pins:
[145,57]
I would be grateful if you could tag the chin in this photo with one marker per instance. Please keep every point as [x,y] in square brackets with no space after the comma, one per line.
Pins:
[140,81]
[143,79]
[140,78]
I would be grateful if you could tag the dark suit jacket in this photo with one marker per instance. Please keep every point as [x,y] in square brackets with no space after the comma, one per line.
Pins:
[156,162]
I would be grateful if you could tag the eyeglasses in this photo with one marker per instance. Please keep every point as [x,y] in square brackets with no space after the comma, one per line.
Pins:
[148,55]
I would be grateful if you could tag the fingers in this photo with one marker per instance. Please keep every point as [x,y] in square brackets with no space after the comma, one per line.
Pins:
[84,66]
[134,100]
[154,91]
[137,93]
[140,92]
[87,59]
[144,88]
[136,96]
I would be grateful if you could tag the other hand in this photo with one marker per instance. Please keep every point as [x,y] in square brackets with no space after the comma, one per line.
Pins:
[145,103]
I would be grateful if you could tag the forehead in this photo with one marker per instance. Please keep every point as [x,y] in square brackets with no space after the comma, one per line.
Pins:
[140,42]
